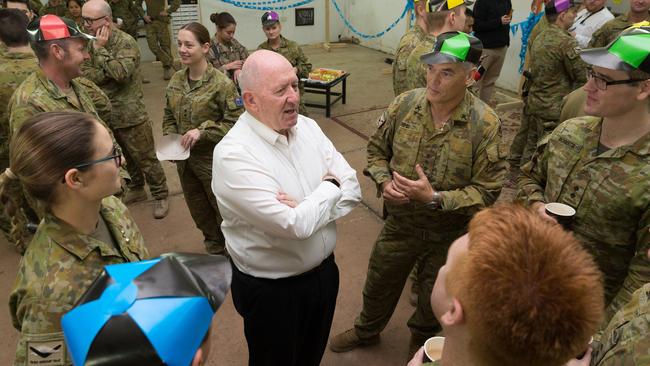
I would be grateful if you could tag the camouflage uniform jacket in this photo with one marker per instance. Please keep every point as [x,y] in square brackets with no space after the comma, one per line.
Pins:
[212,105]
[556,71]
[610,30]
[38,94]
[610,193]
[115,68]
[416,70]
[14,68]
[59,10]
[626,340]
[292,52]
[154,7]
[407,43]
[461,160]
[36,6]
[127,10]
[58,267]
[222,54]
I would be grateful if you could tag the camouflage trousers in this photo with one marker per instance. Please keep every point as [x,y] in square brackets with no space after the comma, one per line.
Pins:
[138,147]
[398,248]
[196,180]
[131,29]
[159,41]
[532,129]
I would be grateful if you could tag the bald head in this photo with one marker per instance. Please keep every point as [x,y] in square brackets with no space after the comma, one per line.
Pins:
[97,8]
[259,66]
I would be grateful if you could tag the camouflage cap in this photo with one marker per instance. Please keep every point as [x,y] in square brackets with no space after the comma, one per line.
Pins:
[270,18]
[453,47]
[153,312]
[442,5]
[558,6]
[50,27]
[629,51]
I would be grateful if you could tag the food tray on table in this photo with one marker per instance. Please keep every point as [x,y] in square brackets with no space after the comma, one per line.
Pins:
[324,75]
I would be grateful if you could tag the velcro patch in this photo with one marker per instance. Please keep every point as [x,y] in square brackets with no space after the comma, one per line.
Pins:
[239,102]
[46,353]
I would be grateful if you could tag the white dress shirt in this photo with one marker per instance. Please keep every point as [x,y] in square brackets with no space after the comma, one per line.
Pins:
[252,163]
[587,23]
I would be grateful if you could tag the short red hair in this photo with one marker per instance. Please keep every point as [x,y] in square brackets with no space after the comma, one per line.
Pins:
[530,293]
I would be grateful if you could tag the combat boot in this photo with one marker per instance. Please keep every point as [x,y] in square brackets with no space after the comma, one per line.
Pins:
[349,340]
[134,195]
[167,73]
[160,208]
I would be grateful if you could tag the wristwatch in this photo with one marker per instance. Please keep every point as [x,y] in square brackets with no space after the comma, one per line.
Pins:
[436,202]
[334,182]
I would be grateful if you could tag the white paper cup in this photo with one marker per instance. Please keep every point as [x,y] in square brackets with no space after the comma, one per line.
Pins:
[433,349]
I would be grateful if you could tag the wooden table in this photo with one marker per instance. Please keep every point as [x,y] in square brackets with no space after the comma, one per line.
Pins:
[320,87]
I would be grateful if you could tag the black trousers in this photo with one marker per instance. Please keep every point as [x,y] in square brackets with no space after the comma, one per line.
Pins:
[287,321]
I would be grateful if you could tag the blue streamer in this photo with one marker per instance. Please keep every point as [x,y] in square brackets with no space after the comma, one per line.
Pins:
[265,5]
[526,27]
[409,5]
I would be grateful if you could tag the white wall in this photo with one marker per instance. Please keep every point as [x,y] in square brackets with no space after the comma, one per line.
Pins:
[249,26]
[372,17]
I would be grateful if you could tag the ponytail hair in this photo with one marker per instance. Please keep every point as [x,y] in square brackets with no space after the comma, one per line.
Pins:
[40,153]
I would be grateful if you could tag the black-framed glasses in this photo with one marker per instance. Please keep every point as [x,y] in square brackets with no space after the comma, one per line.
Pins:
[115,155]
[602,83]
[91,20]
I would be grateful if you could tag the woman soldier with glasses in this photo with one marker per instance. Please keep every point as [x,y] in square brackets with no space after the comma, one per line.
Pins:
[68,162]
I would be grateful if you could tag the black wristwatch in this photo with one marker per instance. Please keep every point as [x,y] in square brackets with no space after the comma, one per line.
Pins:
[334,182]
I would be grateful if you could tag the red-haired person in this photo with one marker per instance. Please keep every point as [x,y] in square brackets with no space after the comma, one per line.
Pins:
[516,290]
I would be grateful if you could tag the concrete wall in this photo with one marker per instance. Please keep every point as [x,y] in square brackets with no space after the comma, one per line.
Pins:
[249,28]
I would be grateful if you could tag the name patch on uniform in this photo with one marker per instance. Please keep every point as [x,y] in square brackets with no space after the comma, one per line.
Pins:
[46,353]
[239,102]
[569,143]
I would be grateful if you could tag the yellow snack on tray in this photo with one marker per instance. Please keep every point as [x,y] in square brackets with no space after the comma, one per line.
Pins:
[325,75]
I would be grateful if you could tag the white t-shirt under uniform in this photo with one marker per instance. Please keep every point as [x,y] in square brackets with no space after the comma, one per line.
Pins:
[587,23]
[251,165]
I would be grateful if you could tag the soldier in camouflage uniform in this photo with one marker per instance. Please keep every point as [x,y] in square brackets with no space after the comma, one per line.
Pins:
[74,12]
[204,111]
[55,7]
[639,12]
[626,339]
[115,67]
[434,170]
[407,43]
[130,12]
[226,53]
[65,256]
[289,49]
[16,64]
[555,71]
[158,37]
[439,20]
[600,167]
[39,93]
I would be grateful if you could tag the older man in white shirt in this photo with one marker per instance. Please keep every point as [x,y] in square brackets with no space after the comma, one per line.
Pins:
[280,184]
[588,20]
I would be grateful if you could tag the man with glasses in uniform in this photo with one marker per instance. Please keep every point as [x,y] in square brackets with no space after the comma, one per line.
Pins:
[600,165]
